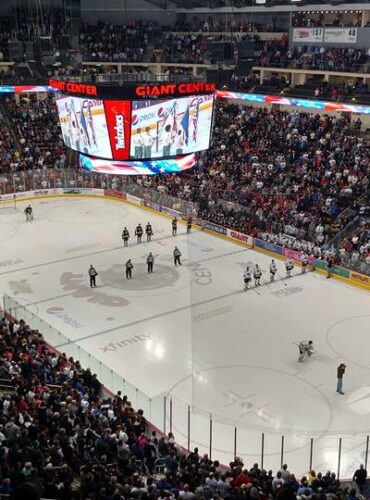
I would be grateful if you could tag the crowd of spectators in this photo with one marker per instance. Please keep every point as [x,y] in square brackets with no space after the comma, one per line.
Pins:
[63,437]
[329,58]
[278,173]
[105,41]
[139,42]
[220,24]
[36,136]
[293,178]
[324,19]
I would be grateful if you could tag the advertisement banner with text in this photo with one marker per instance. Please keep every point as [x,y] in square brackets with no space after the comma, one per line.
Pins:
[360,278]
[297,256]
[235,235]
[302,35]
[268,246]
[214,227]
[118,115]
[340,35]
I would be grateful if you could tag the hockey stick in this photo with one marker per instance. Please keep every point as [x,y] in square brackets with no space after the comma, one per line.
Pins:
[281,278]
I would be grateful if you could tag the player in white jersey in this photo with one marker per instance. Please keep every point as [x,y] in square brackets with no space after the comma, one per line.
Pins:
[289,266]
[247,276]
[257,275]
[273,270]
[304,261]
[306,349]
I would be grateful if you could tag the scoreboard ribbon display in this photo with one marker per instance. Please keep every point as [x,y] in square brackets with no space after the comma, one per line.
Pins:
[139,129]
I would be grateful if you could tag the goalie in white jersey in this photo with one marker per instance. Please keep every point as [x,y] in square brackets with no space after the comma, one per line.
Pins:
[306,349]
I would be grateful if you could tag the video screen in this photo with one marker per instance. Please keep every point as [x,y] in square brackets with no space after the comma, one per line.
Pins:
[167,128]
[146,167]
[84,125]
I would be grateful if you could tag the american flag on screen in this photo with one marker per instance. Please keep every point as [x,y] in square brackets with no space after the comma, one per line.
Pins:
[195,120]
[153,167]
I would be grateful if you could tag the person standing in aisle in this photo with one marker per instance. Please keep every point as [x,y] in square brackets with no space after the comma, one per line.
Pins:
[139,232]
[174,226]
[360,477]
[129,267]
[150,262]
[340,372]
[189,224]
[176,256]
[92,275]
[125,236]
[149,232]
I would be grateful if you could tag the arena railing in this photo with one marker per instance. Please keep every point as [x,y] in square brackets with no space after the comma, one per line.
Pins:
[219,436]
[124,78]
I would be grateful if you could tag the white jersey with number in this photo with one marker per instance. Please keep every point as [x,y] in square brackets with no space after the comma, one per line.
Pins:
[273,268]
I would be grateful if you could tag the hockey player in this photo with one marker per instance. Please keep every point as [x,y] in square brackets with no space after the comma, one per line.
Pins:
[257,275]
[176,256]
[150,262]
[188,224]
[149,232]
[289,267]
[174,226]
[139,232]
[304,261]
[129,267]
[92,275]
[125,236]
[247,278]
[305,349]
[273,270]
[29,213]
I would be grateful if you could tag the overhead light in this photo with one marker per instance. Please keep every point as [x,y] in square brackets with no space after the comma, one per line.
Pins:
[260,2]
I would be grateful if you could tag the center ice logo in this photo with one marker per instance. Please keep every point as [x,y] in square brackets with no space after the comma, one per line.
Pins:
[162,277]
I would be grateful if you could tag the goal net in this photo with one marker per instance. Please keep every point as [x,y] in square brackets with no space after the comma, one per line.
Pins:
[8,204]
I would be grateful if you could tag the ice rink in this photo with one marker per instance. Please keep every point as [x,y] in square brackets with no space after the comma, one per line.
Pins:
[193,334]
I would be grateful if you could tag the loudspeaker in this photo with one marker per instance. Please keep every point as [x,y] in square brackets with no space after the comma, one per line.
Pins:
[15,50]
[64,42]
[220,51]
[32,51]
[246,49]
[45,44]
[229,50]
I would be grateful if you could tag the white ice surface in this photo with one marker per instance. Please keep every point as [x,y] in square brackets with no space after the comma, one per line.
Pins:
[191,333]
